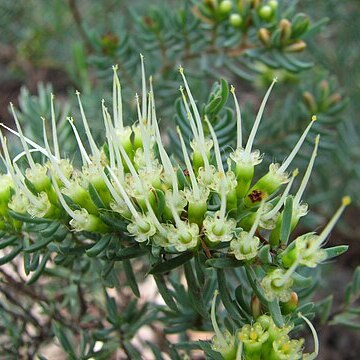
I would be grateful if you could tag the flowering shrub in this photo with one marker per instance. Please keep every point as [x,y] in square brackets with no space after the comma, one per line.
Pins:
[131,199]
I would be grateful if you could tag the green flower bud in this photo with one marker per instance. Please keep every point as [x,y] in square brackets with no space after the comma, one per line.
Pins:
[265,12]
[285,27]
[37,175]
[291,305]
[225,7]
[197,206]
[6,186]
[80,197]
[273,4]
[264,36]
[236,20]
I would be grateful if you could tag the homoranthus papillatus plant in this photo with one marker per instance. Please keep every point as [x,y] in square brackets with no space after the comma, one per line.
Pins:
[131,199]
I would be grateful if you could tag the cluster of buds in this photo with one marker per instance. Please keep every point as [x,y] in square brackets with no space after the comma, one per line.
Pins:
[282,33]
[261,340]
[323,99]
[210,203]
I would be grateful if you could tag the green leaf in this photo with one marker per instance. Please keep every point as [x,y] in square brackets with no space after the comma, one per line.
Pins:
[131,277]
[335,251]
[64,341]
[114,222]
[275,311]
[324,308]
[264,255]
[165,292]
[50,229]
[28,219]
[173,263]
[95,197]
[195,293]
[254,282]
[16,250]
[160,203]
[99,246]
[39,244]
[286,220]
[8,241]
[130,253]
[224,262]
[225,296]
[348,320]
[39,270]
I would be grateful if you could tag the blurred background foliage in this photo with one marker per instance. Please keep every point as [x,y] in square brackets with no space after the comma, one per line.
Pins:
[73,44]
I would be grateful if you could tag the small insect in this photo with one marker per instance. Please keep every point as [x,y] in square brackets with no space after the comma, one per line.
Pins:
[256,195]
[186,172]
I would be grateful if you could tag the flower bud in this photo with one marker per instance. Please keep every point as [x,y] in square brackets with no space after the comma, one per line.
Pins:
[225,7]
[264,36]
[285,27]
[273,4]
[291,305]
[310,101]
[6,186]
[265,13]
[296,46]
[236,20]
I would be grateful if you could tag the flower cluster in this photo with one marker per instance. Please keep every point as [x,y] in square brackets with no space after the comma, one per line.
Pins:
[209,202]
[261,340]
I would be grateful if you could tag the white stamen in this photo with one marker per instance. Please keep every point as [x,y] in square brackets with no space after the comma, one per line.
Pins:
[144,91]
[53,160]
[30,142]
[108,125]
[179,223]
[21,136]
[289,272]
[314,333]
[328,228]
[54,130]
[168,168]
[295,150]
[117,101]
[281,201]
[144,135]
[63,202]
[218,333]
[94,149]
[194,183]
[254,129]
[306,177]
[238,118]
[193,106]
[84,156]
[216,146]
[256,222]
[124,195]
[189,116]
